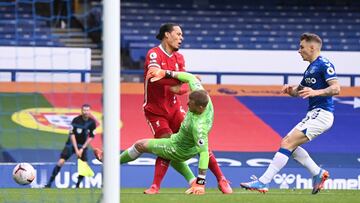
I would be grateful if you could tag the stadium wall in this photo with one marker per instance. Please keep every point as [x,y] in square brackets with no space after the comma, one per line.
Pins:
[274,61]
[31,62]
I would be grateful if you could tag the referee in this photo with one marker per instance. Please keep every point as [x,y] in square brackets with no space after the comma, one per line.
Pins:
[81,133]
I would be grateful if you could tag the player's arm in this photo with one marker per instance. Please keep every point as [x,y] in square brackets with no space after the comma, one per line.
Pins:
[201,143]
[333,89]
[157,74]
[88,141]
[163,81]
[73,138]
[90,137]
[292,90]
[74,143]
[179,89]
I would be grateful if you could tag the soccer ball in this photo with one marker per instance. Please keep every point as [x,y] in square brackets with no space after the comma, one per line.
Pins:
[24,173]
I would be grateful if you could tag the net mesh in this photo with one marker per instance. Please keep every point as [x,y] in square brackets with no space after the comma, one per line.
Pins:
[50,65]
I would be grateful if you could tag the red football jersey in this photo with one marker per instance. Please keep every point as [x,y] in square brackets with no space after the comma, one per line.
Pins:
[158,98]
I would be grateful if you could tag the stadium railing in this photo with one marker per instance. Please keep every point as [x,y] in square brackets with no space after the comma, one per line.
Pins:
[141,72]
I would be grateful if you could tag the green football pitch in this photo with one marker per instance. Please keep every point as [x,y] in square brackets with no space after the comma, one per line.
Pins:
[134,195]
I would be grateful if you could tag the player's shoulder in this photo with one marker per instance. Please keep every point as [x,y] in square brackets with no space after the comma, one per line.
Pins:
[154,52]
[92,120]
[76,119]
[323,61]
[178,54]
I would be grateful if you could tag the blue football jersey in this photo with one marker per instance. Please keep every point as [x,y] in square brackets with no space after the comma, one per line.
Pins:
[316,76]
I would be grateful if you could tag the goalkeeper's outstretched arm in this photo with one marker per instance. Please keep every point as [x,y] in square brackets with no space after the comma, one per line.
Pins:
[156,74]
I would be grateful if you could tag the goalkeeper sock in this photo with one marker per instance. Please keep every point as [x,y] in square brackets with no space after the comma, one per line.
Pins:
[54,173]
[129,155]
[279,161]
[214,167]
[184,170]
[161,166]
[303,157]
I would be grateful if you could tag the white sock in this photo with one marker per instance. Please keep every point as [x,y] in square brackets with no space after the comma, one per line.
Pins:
[133,152]
[278,162]
[303,157]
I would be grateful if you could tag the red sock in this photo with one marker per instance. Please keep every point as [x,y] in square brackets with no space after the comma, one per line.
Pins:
[214,167]
[161,166]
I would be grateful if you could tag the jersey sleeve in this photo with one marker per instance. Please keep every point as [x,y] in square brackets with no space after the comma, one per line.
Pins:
[329,71]
[152,59]
[200,135]
[71,127]
[92,129]
[194,83]
[168,81]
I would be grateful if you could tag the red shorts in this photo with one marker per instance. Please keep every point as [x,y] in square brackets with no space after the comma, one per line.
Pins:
[164,124]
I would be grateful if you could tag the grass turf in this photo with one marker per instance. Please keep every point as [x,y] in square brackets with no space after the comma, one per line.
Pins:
[173,195]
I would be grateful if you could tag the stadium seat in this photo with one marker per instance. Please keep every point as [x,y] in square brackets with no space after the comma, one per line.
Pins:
[239,25]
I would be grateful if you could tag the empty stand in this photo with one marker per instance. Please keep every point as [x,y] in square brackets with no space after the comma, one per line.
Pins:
[264,25]
[20,26]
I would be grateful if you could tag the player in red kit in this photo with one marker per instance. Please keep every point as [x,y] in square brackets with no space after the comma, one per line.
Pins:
[163,109]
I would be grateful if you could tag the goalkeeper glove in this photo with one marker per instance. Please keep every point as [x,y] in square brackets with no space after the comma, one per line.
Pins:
[157,74]
[197,187]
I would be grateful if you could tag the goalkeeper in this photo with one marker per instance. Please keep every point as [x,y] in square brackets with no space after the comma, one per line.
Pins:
[192,138]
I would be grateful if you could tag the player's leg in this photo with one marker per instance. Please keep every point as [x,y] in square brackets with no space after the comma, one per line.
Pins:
[318,122]
[319,175]
[303,157]
[65,155]
[134,151]
[288,144]
[83,158]
[294,139]
[129,154]
[160,128]
[223,183]
[184,170]
[164,148]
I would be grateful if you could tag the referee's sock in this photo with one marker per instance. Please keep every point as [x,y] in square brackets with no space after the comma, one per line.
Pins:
[53,175]
[80,178]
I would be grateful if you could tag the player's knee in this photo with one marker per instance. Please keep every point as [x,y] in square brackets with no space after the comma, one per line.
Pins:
[140,145]
[288,144]
[164,135]
[285,143]
[61,162]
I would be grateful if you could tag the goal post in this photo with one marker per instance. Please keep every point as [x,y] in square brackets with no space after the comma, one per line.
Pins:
[111,96]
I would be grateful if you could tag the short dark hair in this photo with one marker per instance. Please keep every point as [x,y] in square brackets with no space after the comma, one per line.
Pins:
[200,97]
[86,105]
[167,27]
[311,37]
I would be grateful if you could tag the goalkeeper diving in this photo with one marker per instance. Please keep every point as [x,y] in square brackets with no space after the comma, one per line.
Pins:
[192,138]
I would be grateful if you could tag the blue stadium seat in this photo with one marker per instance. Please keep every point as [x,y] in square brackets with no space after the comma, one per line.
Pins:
[239,25]
[19,27]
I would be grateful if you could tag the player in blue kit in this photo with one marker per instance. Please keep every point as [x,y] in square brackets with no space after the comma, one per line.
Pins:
[319,84]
